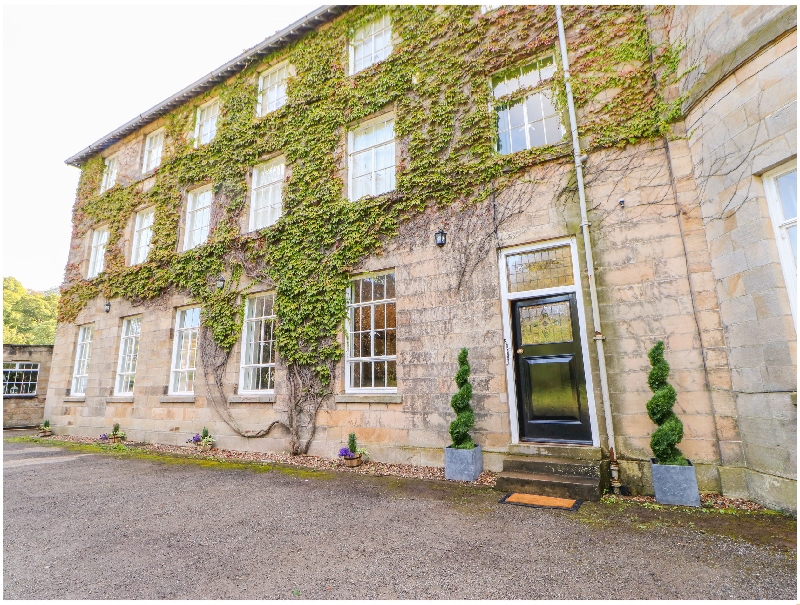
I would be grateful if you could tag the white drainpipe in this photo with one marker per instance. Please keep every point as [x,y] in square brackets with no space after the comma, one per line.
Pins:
[598,335]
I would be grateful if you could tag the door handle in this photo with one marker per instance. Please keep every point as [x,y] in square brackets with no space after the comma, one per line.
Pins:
[519,351]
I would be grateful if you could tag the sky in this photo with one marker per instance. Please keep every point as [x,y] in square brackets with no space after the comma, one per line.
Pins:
[71,75]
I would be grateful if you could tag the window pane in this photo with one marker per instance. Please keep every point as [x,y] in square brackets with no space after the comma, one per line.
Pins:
[536,133]
[787,187]
[534,106]
[553,132]
[792,231]
[391,373]
[518,142]
[380,373]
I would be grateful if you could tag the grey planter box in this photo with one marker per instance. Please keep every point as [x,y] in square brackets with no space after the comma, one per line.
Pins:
[463,465]
[675,484]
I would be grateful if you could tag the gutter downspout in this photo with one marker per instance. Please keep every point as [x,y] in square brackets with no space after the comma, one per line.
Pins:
[598,335]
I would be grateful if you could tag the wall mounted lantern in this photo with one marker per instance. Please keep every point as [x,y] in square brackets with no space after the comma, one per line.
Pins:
[220,282]
[441,238]
[108,306]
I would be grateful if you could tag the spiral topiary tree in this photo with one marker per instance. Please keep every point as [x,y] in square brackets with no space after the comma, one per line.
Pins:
[465,417]
[670,428]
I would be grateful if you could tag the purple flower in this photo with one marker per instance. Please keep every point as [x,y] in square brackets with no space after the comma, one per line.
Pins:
[197,438]
[103,437]
[345,452]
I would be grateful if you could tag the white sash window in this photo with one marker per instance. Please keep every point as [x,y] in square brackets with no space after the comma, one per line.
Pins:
[128,355]
[97,258]
[206,123]
[258,346]
[142,235]
[371,358]
[370,44]
[83,352]
[153,146]
[265,200]
[184,351]
[372,158]
[198,217]
[109,174]
[272,89]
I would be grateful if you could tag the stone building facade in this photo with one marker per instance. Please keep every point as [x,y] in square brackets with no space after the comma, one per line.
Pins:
[686,249]
[26,372]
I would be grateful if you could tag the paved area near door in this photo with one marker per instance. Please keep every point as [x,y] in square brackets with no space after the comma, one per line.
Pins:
[96,526]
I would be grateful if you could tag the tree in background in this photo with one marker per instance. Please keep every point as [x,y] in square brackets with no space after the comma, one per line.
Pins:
[29,317]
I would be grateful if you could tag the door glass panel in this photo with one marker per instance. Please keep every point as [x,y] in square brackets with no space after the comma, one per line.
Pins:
[552,395]
[540,269]
[542,324]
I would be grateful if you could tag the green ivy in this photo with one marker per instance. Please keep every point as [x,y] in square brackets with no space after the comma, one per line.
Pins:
[437,80]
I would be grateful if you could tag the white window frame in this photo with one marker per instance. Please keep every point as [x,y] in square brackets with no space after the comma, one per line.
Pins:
[523,101]
[352,42]
[97,254]
[153,150]
[246,331]
[348,359]
[175,357]
[350,154]
[273,185]
[193,213]
[262,105]
[507,297]
[198,123]
[142,235]
[83,355]
[14,367]
[109,173]
[128,355]
[780,228]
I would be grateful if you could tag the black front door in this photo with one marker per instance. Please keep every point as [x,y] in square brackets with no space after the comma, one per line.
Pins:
[551,385]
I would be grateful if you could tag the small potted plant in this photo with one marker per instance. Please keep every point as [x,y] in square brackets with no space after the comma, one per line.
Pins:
[44,429]
[352,455]
[463,459]
[203,441]
[116,435]
[674,477]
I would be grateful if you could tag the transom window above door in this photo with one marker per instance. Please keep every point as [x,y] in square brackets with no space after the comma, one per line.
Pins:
[540,269]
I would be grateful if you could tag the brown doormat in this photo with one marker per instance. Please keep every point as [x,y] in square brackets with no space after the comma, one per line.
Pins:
[535,501]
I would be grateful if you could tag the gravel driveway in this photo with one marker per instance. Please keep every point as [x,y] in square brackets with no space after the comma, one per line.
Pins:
[96,526]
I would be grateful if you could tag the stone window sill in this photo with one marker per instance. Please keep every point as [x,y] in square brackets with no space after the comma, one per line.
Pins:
[75,398]
[120,399]
[176,399]
[368,398]
[254,398]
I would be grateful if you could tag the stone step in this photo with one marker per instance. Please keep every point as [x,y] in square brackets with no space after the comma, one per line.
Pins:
[559,450]
[551,465]
[545,484]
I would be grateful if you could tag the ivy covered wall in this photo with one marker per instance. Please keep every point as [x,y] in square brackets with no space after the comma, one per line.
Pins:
[437,80]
